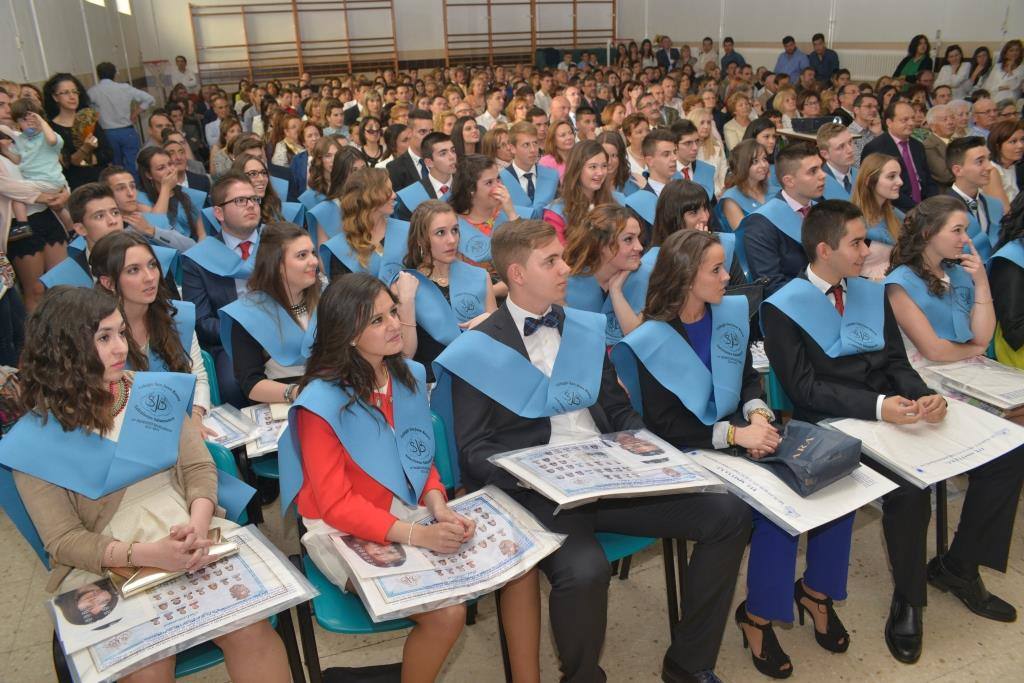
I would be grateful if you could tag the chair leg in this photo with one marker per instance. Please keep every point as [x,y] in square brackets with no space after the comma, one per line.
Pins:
[668,554]
[624,567]
[470,614]
[502,641]
[286,629]
[253,509]
[306,633]
[615,567]
[941,519]
[682,562]
[60,663]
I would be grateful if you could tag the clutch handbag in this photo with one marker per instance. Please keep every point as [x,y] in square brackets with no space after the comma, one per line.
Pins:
[132,580]
[810,457]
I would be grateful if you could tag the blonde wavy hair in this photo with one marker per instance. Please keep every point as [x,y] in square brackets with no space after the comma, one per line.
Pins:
[366,190]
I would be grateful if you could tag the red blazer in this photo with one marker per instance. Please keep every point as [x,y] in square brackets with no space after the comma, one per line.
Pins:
[338,491]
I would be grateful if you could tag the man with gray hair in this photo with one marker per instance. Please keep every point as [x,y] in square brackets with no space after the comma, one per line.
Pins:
[940,124]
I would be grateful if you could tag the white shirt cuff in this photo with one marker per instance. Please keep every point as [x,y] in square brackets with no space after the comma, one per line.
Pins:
[878,407]
[720,434]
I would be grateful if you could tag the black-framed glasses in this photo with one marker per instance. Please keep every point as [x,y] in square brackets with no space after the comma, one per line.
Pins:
[257,174]
[242,202]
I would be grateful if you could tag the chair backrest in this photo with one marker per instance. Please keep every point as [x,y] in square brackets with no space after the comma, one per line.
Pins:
[211,375]
[442,457]
[225,462]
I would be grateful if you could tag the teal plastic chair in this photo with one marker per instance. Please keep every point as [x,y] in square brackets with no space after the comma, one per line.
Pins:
[211,375]
[777,399]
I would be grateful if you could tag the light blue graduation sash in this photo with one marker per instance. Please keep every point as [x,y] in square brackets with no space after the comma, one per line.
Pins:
[219,259]
[1013,252]
[467,288]
[185,326]
[270,325]
[327,215]
[779,214]
[774,186]
[984,242]
[711,395]
[67,272]
[311,198]
[619,197]
[557,207]
[585,294]
[703,175]
[628,187]
[727,240]
[398,459]
[861,327]
[414,195]
[879,232]
[644,203]
[748,205]
[949,314]
[385,265]
[475,245]
[833,188]
[78,244]
[280,186]
[544,189]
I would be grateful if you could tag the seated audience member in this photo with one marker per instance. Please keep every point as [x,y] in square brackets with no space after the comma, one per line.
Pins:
[341,485]
[559,143]
[917,60]
[955,72]
[835,146]
[944,309]
[309,135]
[494,104]
[328,213]
[439,155]
[220,159]
[334,117]
[165,196]
[618,177]
[764,131]
[161,331]
[634,130]
[603,254]
[216,271]
[969,162]
[582,188]
[320,166]
[491,417]
[612,117]
[396,143]
[268,330]
[1006,145]
[285,141]
[824,61]
[709,149]
[494,145]
[749,169]
[740,107]
[136,216]
[867,124]
[660,161]
[408,168]
[370,241]
[191,173]
[271,206]
[688,161]
[896,141]
[466,136]
[939,121]
[528,183]
[370,139]
[877,187]
[81,389]
[586,123]
[771,234]
[452,295]
[1006,77]
[679,389]
[1006,277]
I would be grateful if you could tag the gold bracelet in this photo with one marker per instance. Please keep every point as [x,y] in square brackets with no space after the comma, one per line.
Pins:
[411,527]
[130,565]
[730,436]
[763,412]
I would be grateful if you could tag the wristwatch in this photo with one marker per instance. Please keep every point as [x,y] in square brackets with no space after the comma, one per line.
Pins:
[289,393]
[763,412]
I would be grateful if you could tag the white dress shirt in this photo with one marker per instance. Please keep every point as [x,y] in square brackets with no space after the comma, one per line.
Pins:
[439,184]
[488,121]
[542,348]
[519,173]
[839,175]
[114,103]
[232,242]
[656,186]
[982,214]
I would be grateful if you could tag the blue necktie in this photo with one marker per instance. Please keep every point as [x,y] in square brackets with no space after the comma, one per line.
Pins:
[424,173]
[847,185]
[530,189]
[531,325]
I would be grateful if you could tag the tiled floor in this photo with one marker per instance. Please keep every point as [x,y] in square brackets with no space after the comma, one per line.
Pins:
[958,645]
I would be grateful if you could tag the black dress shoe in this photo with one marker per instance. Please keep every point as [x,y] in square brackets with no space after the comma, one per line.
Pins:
[673,673]
[904,631]
[972,592]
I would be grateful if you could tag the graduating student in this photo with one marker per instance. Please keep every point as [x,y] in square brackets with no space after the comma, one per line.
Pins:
[94,214]
[660,160]
[439,155]
[370,240]
[603,256]
[271,207]
[583,188]
[409,167]
[1006,276]
[877,187]
[137,216]
[498,376]
[771,234]
[345,460]
[267,331]
[216,271]
[159,180]
[835,145]
[763,130]
[529,184]
[618,177]
[327,214]
[897,141]
[94,506]
[969,161]
[749,170]
[161,331]
[451,295]
[698,390]
[320,167]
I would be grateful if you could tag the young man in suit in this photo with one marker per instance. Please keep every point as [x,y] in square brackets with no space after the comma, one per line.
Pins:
[835,145]
[668,56]
[527,331]
[410,167]
[439,155]
[528,183]
[216,271]
[970,163]
[868,377]
[659,149]
[897,142]
[771,234]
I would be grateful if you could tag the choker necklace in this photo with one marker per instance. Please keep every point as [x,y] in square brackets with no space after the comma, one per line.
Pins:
[299,309]
[119,390]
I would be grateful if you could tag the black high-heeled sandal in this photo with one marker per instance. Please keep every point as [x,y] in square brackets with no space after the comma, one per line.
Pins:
[772,658]
[835,631]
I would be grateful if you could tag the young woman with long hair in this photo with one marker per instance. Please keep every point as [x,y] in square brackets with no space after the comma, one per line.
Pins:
[253,167]
[582,188]
[320,167]
[370,139]
[747,182]
[160,184]
[877,186]
[284,139]
[765,133]
[618,177]
[557,146]
[634,129]
[466,136]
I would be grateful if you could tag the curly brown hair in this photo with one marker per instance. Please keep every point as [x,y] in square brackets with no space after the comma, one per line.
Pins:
[678,260]
[107,261]
[266,273]
[599,230]
[318,180]
[922,223]
[60,372]
[366,190]
[418,254]
[345,310]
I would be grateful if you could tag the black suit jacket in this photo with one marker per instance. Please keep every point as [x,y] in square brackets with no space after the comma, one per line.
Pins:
[403,172]
[666,416]
[771,253]
[822,387]
[1006,280]
[667,59]
[483,427]
[209,293]
[885,144]
[198,181]
[402,211]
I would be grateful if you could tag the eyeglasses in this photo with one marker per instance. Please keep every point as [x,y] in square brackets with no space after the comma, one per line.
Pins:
[65,93]
[242,202]
[257,174]
[372,130]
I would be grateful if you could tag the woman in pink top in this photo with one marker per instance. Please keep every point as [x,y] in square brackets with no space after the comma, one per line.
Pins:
[561,139]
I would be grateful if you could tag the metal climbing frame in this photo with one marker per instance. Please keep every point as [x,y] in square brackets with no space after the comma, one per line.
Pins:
[235,41]
[508,31]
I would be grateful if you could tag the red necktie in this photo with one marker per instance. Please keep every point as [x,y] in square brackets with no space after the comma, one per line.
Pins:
[245,247]
[686,172]
[444,189]
[804,210]
[837,292]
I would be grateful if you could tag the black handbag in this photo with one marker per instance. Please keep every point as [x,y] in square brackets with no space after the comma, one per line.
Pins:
[810,457]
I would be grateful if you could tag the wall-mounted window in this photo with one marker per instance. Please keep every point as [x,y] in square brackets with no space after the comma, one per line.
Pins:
[124,7]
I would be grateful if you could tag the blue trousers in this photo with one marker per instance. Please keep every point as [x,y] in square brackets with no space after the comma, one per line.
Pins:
[772,565]
[125,144]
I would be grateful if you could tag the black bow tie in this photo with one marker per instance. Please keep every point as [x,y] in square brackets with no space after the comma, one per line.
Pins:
[531,325]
